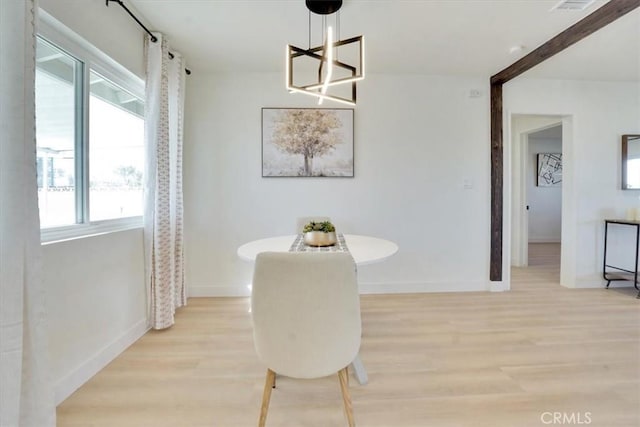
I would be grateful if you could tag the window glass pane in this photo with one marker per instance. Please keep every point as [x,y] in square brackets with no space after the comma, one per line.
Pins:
[55,134]
[116,152]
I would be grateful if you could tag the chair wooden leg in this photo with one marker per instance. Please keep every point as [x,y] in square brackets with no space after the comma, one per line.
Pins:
[269,383]
[343,375]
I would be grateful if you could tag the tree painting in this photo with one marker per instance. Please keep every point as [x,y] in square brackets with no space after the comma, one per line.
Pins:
[308,133]
[308,142]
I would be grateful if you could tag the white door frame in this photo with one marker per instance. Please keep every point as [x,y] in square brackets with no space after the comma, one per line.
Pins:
[519,139]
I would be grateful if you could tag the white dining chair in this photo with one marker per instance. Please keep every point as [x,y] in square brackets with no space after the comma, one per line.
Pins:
[306,318]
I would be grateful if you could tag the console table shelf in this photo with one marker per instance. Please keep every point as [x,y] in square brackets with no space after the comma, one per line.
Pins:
[621,273]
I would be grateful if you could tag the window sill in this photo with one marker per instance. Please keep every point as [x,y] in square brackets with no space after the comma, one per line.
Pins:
[80,231]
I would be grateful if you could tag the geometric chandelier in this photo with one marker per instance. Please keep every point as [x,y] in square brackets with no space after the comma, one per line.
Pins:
[330,70]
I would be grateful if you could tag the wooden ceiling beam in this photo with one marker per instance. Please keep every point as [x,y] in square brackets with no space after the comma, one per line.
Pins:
[581,29]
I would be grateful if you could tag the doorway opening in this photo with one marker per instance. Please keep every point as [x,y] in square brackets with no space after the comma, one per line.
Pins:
[536,220]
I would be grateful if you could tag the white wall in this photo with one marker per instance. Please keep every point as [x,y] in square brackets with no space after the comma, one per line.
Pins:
[96,303]
[417,139]
[545,203]
[599,113]
[95,286]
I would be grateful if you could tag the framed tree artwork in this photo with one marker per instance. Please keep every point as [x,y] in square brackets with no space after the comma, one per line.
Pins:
[307,142]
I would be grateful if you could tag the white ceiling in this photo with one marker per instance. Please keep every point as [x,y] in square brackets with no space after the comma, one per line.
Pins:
[554,132]
[459,37]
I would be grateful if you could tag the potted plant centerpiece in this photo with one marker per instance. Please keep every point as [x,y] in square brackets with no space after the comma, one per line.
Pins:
[319,234]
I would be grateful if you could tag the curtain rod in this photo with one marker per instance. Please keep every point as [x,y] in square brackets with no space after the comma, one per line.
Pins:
[153,38]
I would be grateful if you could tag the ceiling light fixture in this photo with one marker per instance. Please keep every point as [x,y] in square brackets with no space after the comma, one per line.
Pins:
[316,70]
[328,47]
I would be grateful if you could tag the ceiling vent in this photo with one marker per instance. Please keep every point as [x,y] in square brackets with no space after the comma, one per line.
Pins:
[573,5]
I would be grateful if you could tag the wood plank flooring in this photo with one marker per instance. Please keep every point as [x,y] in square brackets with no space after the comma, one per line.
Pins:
[438,359]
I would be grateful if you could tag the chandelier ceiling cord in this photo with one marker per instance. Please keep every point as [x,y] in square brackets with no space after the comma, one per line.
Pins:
[333,76]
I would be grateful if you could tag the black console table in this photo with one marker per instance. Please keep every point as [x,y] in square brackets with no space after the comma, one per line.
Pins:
[621,273]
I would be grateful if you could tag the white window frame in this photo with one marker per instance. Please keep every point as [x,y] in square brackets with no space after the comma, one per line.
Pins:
[61,36]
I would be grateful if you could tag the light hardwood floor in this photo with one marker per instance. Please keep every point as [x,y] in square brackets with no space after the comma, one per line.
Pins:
[439,359]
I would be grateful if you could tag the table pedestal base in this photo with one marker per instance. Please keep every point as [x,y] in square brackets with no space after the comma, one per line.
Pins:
[359,371]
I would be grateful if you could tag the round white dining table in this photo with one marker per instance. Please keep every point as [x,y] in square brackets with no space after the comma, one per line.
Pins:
[363,249]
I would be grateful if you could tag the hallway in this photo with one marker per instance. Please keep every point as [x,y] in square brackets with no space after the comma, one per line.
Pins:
[543,269]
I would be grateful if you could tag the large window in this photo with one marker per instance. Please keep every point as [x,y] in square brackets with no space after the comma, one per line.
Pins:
[89,132]
[58,105]
[116,134]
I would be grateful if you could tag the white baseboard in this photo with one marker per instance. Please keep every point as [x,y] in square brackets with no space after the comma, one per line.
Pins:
[601,283]
[498,286]
[365,288]
[421,287]
[544,239]
[618,284]
[65,386]
[218,291]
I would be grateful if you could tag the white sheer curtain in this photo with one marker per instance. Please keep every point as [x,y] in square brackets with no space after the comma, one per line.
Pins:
[26,395]
[163,216]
